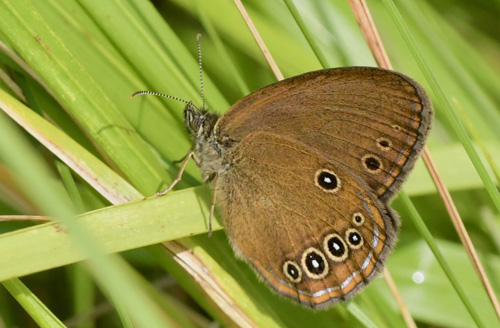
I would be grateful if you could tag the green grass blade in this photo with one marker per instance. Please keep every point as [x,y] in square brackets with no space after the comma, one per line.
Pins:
[34,177]
[214,36]
[46,51]
[309,37]
[445,105]
[118,47]
[32,304]
[97,174]
[426,234]
[117,228]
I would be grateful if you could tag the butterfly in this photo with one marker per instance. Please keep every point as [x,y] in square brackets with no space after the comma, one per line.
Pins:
[303,171]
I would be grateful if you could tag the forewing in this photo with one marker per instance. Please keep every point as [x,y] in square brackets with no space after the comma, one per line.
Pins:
[371,120]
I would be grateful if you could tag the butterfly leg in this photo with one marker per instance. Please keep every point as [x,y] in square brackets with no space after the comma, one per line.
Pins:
[212,207]
[185,161]
[196,159]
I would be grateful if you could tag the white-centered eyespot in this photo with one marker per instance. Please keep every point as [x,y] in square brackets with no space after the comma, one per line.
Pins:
[354,238]
[335,247]
[292,271]
[327,180]
[314,263]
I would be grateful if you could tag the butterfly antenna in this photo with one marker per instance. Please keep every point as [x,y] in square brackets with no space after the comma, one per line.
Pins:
[201,71]
[139,93]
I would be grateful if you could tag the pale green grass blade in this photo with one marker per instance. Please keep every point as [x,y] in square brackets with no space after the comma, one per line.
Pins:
[117,228]
[166,261]
[70,186]
[80,160]
[361,316]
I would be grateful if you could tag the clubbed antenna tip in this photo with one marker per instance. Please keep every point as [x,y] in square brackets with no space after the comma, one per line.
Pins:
[139,93]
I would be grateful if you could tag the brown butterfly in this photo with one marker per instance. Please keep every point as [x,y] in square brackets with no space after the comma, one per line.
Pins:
[303,171]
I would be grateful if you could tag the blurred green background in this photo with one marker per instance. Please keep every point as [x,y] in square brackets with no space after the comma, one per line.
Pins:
[92,55]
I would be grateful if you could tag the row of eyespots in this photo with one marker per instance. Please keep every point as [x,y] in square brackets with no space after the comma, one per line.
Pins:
[314,262]
[328,181]
[371,162]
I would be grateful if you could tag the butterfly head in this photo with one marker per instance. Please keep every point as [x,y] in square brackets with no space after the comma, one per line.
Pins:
[199,122]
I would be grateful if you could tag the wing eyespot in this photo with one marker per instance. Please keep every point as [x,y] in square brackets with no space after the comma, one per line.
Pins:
[314,263]
[335,247]
[327,181]
[372,163]
[354,238]
[292,271]
[384,144]
[358,219]
[396,127]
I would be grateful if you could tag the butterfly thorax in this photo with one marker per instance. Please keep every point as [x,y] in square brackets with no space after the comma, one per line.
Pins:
[201,124]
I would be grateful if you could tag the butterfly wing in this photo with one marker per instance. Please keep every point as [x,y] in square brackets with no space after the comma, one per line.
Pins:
[371,120]
[307,226]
